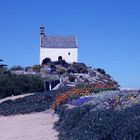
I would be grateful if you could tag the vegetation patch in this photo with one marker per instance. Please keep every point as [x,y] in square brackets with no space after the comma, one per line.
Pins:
[77,92]
[82,123]
[37,102]
[12,84]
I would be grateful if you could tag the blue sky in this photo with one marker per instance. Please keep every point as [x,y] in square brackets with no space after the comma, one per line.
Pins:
[108,33]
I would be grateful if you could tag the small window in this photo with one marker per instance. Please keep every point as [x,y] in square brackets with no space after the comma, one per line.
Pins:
[69,53]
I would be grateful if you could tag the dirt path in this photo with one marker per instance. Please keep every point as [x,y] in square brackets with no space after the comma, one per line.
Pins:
[15,97]
[37,126]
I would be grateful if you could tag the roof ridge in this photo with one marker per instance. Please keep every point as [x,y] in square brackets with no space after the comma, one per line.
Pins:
[61,35]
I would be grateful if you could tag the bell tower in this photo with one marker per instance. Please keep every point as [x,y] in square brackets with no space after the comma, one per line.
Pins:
[42,31]
[42,35]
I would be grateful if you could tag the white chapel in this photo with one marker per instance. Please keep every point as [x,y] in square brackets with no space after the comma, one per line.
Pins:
[54,47]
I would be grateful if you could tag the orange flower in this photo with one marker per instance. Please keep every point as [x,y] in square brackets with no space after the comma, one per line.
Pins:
[74,92]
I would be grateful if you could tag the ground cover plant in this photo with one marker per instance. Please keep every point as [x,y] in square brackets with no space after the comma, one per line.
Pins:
[82,123]
[32,103]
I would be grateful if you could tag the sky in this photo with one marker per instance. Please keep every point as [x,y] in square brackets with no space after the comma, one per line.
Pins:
[108,33]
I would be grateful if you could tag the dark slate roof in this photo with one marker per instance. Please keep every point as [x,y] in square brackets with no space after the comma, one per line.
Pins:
[59,42]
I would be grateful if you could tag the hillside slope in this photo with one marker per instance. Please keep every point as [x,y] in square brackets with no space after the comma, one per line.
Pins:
[71,74]
[106,116]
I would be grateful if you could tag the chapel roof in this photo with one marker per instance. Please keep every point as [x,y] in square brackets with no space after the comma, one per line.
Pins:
[49,41]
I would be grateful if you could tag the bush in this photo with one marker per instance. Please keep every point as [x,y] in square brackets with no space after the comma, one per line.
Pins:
[56,62]
[61,70]
[16,68]
[71,78]
[3,70]
[79,68]
[46,61]
[53,67]
[70,70]
[36,68]
[63,63]
[102,71]
[11,84]
[28,68]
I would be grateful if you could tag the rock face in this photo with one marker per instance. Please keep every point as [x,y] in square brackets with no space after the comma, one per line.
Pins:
[72,74]
[77,74]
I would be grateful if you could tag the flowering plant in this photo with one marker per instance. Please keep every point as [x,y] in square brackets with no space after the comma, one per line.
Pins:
[76,92]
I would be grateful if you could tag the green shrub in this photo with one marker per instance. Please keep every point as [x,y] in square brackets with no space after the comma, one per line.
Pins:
[3,67]
[70,70]
[28,68]
[61,70]
[63,63]
[46,61]
[71,78]
[36,68]
[53,67]
[79,67]
[102,71]
[11,84]
[16,68]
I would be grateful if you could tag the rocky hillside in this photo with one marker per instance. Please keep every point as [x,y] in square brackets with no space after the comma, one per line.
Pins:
[86,111]
[112,115]
[76,74]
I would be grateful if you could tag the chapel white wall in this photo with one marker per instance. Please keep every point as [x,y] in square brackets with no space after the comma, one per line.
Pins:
[54,53]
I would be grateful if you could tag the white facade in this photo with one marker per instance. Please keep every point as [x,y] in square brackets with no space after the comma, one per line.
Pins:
[55,46]
[70,55]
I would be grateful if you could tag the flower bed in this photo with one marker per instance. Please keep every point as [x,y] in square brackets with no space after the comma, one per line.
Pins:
[72,94]
[77,92]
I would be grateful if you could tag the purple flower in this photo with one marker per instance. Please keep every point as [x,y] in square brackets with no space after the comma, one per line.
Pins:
[80,101]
